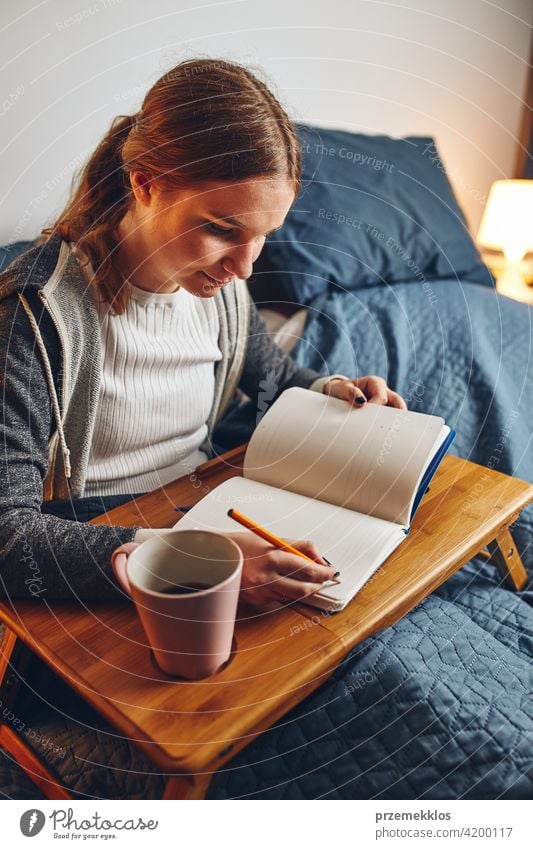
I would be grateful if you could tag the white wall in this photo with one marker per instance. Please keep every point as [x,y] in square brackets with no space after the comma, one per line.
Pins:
[454,69]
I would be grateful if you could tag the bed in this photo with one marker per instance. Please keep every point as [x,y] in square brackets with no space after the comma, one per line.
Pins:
[374,272]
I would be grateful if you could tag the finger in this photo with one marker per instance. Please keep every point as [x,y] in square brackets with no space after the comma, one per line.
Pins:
[396,400]
[289,565]
[355,395]
[119,562]
[125,549]
[310,548]
[377,390]
[346,390]
[287,589]
[296,568]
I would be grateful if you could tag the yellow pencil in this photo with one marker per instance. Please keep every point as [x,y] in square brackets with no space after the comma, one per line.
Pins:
[269,537]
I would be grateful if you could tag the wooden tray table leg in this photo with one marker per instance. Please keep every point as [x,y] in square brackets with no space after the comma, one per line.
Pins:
[187,786]
[34,768]
[504,554]
[8,642]
[14,657]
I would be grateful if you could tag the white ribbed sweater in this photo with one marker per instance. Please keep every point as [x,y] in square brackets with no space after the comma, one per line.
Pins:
[156,391]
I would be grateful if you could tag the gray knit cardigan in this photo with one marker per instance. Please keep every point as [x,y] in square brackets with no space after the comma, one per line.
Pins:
[50,369]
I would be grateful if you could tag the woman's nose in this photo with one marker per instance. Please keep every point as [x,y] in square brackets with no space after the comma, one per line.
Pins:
[240,260]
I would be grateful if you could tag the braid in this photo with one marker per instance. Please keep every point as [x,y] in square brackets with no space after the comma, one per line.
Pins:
[99,204]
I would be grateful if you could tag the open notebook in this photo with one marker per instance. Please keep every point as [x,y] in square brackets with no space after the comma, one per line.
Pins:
[349,479]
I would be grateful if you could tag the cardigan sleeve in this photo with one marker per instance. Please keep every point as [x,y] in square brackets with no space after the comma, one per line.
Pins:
[41,555]
[267,369]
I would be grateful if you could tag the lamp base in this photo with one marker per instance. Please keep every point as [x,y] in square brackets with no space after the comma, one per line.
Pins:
[512,284]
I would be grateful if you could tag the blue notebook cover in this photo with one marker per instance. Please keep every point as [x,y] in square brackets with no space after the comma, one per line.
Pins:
[430,471]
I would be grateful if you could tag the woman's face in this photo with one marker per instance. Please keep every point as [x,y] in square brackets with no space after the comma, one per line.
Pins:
[200,238]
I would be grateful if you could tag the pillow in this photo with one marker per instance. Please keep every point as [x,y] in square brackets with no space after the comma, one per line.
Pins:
[10,252]
[285,332]
[373,210]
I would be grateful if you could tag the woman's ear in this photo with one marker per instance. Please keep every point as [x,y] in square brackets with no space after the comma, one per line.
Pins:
[142,187]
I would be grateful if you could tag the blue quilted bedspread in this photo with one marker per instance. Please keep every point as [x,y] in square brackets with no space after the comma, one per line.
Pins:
[440,705]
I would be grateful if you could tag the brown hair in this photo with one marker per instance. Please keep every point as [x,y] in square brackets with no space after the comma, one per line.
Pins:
[204,120]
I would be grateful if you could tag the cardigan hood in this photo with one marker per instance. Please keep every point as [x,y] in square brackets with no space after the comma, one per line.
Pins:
[52,272]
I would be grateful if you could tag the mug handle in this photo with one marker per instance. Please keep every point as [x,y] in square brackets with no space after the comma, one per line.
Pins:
[119,564]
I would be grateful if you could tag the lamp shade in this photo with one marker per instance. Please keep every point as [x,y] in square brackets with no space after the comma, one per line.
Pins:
[507,222]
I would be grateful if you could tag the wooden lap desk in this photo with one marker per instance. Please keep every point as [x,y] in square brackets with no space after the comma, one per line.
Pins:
[190,730]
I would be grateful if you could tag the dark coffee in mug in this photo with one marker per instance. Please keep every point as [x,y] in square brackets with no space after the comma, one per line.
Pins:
[185,589]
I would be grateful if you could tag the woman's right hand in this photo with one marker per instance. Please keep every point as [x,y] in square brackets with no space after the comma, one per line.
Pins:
[272,578]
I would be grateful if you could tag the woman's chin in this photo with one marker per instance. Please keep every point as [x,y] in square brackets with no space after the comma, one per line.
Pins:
[211,286]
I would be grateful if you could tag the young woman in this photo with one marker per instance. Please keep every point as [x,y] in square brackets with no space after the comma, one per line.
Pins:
[128,329]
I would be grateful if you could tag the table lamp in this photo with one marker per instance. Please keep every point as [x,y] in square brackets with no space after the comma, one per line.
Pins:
[507,225]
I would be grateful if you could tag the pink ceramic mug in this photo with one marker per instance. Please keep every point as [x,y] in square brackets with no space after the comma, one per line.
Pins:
[185,585]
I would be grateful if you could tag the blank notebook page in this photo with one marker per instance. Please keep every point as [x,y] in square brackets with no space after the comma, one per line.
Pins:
[367,459]
[355,544]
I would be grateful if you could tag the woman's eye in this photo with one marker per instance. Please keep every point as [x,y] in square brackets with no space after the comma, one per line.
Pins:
[220,231]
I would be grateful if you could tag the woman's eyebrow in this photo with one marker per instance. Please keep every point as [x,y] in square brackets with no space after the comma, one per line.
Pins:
[236,223]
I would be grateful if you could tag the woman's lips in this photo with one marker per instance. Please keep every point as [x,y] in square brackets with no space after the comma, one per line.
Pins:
[213,281]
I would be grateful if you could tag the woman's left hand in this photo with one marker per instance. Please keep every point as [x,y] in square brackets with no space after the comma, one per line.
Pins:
[372,389]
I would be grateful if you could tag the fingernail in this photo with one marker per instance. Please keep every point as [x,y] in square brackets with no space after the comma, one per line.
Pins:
[327,561]
[336,575]
[360,400]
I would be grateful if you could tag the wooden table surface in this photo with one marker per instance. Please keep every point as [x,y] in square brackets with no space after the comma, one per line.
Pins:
[281,656]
